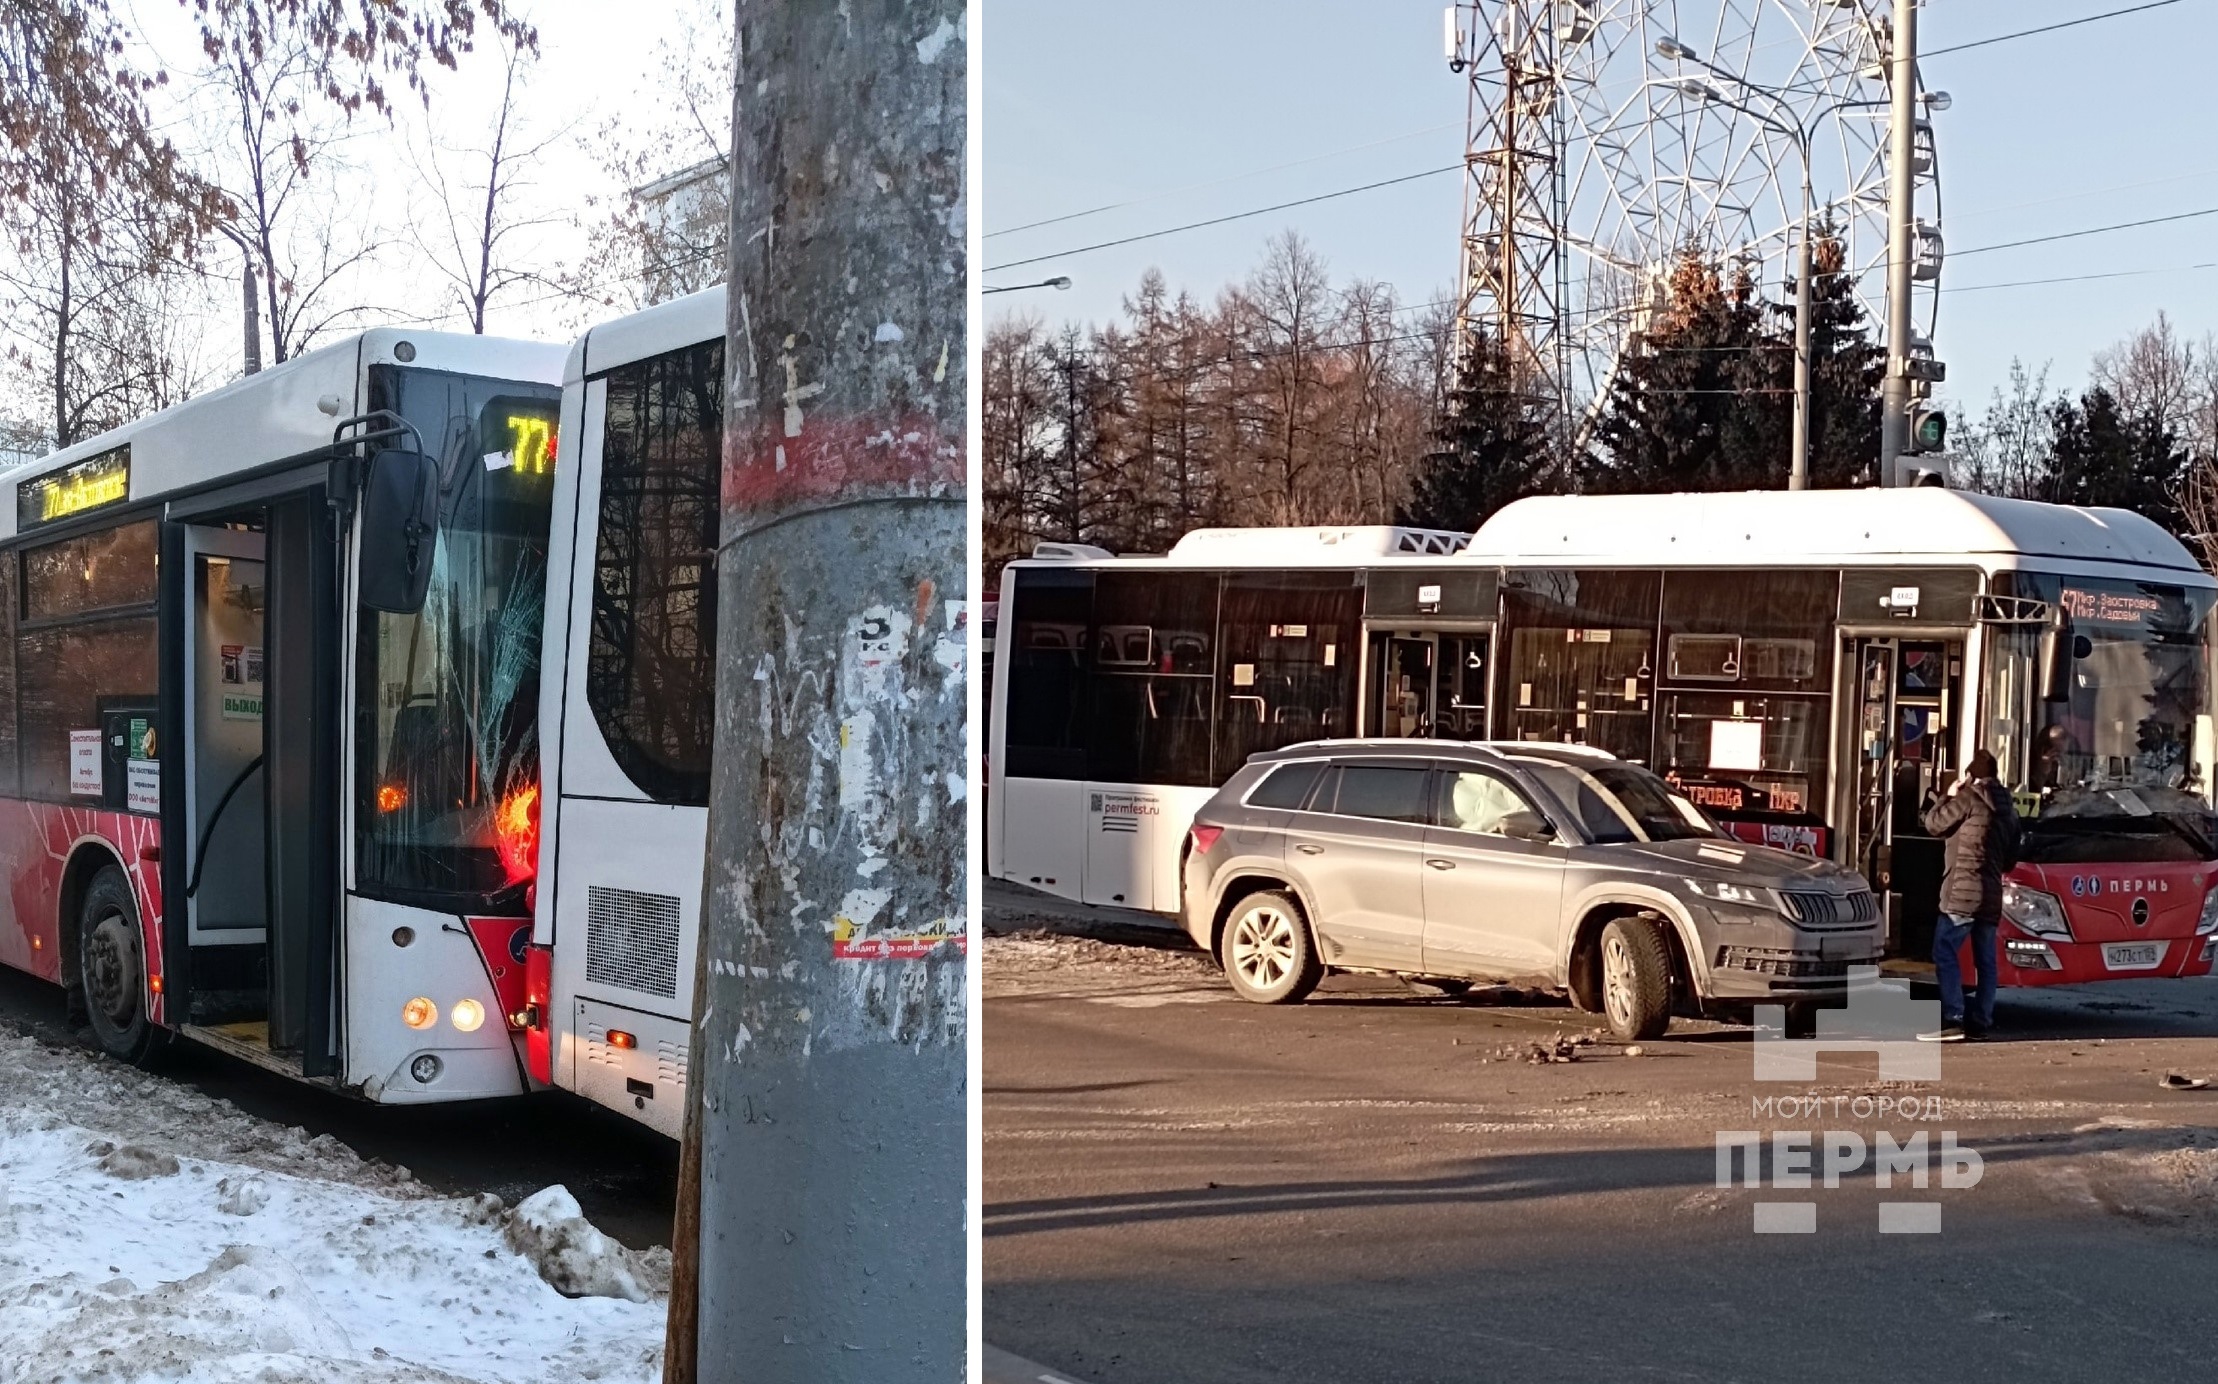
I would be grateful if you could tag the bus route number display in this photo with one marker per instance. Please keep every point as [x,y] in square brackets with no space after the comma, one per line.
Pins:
[79,488]
[518,435]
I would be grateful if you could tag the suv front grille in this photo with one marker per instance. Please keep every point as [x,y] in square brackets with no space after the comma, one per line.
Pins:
[1813,910]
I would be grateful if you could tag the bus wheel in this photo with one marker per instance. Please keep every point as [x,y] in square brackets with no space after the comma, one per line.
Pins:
[111,965]
[1636,978]
[1267,953]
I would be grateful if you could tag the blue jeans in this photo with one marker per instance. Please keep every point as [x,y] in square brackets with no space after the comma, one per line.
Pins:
[1949,932]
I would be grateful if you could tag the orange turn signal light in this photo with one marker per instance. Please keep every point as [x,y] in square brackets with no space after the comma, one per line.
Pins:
[618,1038]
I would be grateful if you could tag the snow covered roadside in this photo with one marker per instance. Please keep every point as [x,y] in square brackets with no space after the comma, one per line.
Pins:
[151,1234]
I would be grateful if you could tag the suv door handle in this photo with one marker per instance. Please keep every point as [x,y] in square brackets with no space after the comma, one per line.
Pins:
[1306,849]
[1441,864]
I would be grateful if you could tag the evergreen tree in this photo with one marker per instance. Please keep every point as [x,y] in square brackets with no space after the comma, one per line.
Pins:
[2102,456]
[1693,403]
[1846,367]
[1491,448]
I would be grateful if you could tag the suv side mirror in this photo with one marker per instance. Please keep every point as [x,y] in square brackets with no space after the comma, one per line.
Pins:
[400,528]
[1527,826]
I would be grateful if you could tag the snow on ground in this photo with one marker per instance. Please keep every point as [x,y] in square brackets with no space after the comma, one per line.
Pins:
[152,1235]
[1042,964]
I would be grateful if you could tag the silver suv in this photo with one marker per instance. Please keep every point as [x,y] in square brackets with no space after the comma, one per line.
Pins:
[1511,862]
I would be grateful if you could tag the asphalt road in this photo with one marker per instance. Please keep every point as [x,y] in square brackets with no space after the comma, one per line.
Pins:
[1377,1186]
[624,1175]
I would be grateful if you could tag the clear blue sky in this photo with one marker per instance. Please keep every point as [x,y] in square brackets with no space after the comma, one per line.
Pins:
[1087,105]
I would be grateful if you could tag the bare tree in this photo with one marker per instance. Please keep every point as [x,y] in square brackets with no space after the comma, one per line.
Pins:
[476,233]
[2152,375]
[283,165]
[71,79]
[2007,451]
[661,232]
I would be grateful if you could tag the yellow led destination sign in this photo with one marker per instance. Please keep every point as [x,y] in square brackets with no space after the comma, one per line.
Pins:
[94,483]
[518,434]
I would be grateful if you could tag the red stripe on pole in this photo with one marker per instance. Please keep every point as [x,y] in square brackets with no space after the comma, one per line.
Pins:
[829,458]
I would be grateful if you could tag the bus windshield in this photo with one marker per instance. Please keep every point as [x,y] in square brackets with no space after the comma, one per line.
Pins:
[1616,802]
[447,745]
[2118,757]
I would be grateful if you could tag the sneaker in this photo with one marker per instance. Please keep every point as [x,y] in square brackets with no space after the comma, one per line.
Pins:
[1978,1033]
[1946,1033]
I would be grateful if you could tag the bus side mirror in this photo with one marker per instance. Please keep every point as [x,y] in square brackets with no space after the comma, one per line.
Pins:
[2059,648]
[400,523]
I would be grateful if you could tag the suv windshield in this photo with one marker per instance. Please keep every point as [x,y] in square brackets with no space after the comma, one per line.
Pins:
[1616,802]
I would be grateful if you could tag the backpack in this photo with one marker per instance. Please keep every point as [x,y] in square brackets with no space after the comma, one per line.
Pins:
[2007,832]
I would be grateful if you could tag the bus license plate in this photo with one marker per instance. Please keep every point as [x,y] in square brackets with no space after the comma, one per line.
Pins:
[2133,956]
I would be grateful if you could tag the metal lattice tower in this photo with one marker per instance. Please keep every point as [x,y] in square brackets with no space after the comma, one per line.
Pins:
[1512,285]
[1594,158]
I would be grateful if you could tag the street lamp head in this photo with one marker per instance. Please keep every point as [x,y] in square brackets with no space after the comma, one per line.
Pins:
[1059,281]
[1670,47]
[1936,100]
[1698,89]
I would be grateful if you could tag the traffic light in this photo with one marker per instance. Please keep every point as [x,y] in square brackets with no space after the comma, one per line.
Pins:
[1928,430]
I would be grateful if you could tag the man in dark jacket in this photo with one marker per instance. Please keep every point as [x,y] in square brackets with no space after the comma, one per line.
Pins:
[1980,826]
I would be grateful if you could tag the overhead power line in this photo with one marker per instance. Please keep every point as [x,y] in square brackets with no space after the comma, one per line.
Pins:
[1221,220]
[1220,182]
[2046,28]
[2091,230]
[2080,278]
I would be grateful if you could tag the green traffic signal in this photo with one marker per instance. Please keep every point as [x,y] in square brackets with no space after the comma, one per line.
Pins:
[1928,431]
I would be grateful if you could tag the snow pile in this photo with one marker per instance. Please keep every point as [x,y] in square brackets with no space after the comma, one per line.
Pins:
[577,1260]
[1040,965]
[214,1252]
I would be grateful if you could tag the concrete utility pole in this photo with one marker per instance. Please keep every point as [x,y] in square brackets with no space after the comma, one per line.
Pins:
[1902,219]
[822,1222]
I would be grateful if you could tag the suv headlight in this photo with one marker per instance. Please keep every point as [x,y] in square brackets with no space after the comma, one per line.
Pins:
[1726,891]
[2039,913]
[2208,923]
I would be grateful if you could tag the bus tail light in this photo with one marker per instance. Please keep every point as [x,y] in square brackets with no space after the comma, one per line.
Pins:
[618,1038]
[1205,837]
[466,1016]
[419,1013]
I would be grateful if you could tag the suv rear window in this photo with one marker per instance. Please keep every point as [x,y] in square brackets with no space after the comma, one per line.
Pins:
[1387,793]
[1286,786]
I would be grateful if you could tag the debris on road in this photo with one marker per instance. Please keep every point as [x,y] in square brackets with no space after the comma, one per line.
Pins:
[2180,1081]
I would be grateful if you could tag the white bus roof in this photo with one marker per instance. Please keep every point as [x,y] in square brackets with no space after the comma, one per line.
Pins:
[282,411]
[1832,527]
[670,326]
[1335,545]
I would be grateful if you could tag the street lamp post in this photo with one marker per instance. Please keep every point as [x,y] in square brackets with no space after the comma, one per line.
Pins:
[1059,281]
[1798,474]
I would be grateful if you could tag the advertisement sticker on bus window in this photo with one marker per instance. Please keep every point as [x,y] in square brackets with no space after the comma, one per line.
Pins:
[234,664]
[1737,745]
[84,762]
[143,786]
[139,739]
[1243,675]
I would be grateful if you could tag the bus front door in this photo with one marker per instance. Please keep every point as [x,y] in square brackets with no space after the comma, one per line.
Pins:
[1402,684]
[1901,697]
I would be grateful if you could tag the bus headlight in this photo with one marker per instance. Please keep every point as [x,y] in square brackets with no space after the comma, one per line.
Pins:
[467,1015]
[419,1013]
[2208,923]
[2035,912]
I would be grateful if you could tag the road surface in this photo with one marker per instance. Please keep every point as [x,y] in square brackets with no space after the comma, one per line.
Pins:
[1381,1185]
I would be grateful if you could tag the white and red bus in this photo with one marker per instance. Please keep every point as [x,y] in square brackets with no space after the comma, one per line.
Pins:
[1806,666]
[268,715]
[448,848]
